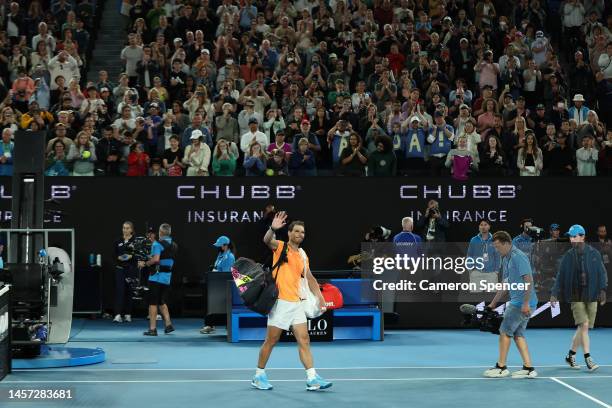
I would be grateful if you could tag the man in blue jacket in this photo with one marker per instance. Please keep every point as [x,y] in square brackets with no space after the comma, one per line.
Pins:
[581,280]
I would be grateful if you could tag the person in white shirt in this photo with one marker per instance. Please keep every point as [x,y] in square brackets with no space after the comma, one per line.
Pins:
[63,64]
[44,36]
[586,157]
[539,47]
[253,135]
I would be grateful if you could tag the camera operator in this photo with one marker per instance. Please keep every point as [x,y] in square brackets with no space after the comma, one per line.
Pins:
[582,280]
[524,241]
[433,225]
[481,246]
[125,269]
[516,269]
[163,252]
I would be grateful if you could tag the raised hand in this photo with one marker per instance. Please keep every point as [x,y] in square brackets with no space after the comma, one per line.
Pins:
[279,220]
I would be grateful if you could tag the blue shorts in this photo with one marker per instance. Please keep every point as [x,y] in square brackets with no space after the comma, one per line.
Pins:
[514,323]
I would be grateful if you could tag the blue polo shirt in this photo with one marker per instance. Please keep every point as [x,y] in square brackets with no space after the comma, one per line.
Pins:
[523,243]
[408,243]
[483,248]
[161,277]
[514,266]
[224,262]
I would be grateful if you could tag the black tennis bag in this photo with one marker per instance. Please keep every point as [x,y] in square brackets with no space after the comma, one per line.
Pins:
[256,285]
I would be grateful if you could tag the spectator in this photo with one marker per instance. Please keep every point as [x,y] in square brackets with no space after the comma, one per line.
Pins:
[255,160]
[302,160]
[82,154]
[224,160]
[586,158]
[492,158]
[6,153]
[440,140]
[137,161]
[461,160]
[197,156]
[172,158]
[578,112]
[530,159]
[277,164]
[354,157]
[274,124]
[560,159]
[382,161]
[156,169]
[57,163]
[108,152]
[253,135]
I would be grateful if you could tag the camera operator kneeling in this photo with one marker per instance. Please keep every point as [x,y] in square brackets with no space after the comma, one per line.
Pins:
[515,268]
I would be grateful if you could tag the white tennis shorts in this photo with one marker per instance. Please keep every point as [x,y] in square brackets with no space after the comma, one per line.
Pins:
[284,314]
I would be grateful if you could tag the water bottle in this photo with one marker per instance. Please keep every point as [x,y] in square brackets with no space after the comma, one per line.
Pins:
[92,259]
[99,260]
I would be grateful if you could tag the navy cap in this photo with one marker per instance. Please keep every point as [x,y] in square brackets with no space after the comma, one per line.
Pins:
[576,230]
[555,227]
[222,240]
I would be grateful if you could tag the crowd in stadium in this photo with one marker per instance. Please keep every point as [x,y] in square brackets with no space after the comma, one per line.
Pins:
[347,87]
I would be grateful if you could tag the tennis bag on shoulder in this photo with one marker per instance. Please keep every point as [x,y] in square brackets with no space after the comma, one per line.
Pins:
[256,285]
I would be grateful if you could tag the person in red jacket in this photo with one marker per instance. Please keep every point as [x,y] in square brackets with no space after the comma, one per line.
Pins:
[138,161]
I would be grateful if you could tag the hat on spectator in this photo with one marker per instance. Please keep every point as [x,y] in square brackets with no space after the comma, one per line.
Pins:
[441,105]
[305,122]
[154,105]
[576,230]
[463,106]
[509,95]
[205,51]
[540,106]
[156,160]
[447,19]
[555,227]
[60,124]
[464,40]
[518,34]
[340,81]
[539,34]
[105,89]
[333,55]
[415,119]
[253,120]
[578,98]
[222,240]
[196,134]
[178,39]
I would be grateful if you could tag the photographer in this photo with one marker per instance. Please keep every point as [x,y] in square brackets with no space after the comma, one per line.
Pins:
[161,259]
[582,280]
[433,225]
[515,269]
[125,269]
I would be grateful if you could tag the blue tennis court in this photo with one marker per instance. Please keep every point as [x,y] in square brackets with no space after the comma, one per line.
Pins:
[425,368]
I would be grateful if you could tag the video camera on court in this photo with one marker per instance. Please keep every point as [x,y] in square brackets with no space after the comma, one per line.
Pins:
[536,233]
[487,320]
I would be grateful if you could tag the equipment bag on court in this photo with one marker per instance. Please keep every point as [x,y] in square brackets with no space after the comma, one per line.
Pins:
[332,295]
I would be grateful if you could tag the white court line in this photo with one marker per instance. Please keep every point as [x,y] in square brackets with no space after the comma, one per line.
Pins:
[77,368]
[284,380]
[584,394]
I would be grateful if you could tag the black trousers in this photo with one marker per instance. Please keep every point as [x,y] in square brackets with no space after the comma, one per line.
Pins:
[123,294]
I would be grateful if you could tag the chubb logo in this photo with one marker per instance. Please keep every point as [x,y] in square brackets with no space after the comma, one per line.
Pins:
[481,191]
[58,192]
[255,192]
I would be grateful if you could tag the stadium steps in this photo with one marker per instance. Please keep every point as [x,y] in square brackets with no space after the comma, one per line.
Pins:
[109,43]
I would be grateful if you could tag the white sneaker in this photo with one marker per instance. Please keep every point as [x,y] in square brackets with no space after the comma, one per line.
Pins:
[118,319]
[591,365]
[524,373]
[159,317]
[127,318]
[497,372]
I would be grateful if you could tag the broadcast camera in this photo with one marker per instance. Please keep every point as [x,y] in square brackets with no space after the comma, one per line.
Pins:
[487,320]
[140,249]
[536,233]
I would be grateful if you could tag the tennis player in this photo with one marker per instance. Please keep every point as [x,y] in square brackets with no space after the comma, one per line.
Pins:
[288,311]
